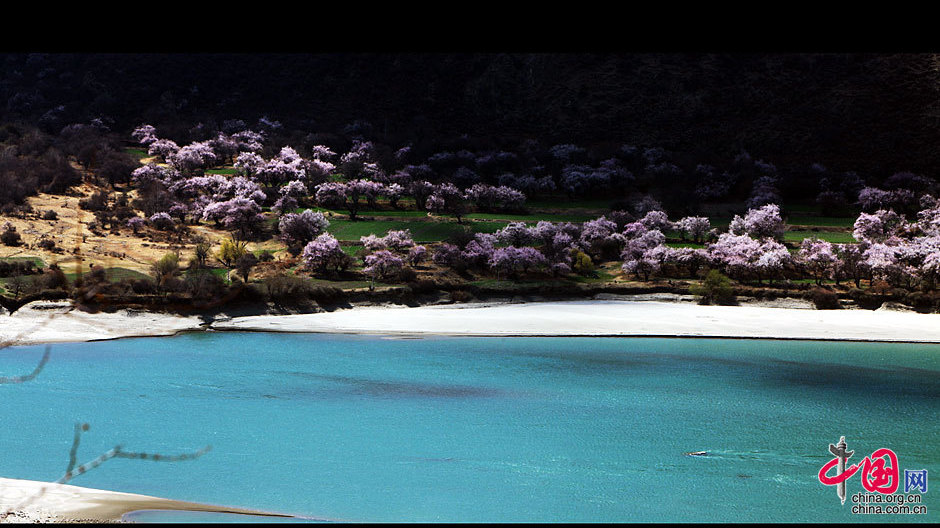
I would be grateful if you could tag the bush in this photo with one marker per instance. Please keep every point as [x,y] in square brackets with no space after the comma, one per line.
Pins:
[95,202]
[920,301]
[144,286]
[327,294]
[54,279]
[581,263]
[18,284]
[10,268]
[165,269]
[285,287]
[9,236]
[865,299]
[460,296]
[203,284]
[230,251]
[423,286]
[48,244]
[244,264]
[461,238]
[97,275]
[162,221]
[200,254]
[50,215]
[407,275]
[824,299]
[716,288]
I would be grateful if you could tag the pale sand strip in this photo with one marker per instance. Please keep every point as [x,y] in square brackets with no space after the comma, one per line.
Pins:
[608,318]
[64,502]
[52,322]
[55,322]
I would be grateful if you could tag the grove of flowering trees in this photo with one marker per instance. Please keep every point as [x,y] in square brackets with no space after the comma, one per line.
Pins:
[889,248]
[897,233]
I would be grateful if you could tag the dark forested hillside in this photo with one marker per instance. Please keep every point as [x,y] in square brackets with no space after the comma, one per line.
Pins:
[848,111]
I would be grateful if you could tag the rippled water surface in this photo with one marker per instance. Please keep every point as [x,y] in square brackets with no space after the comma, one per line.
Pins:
[355,428]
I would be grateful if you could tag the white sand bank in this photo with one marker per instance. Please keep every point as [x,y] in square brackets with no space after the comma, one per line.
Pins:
[34,501]
[608,318]
[53,322]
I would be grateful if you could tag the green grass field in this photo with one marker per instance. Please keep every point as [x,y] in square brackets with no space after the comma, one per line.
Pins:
[113,274]
[350,231]
[517,284]
[822,221]
[685,245]
[138,153]
[38,262]
[601,276]
[534,218]
[349,249]
[222,273]
[836,237]
[506,217]
[435,229]
[563,202]
[347,285]
[396,213]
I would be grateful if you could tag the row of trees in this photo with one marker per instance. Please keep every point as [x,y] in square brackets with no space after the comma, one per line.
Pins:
[181,189]
[531,169]
[890,248]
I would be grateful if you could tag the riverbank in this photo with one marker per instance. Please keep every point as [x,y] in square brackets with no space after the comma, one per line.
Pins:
[609,318]
[58,322]
[659,315]
[41,502]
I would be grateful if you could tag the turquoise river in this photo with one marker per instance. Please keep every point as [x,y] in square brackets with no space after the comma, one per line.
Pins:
[383,429]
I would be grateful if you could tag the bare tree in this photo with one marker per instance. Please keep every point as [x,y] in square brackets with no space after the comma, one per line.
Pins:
[73,470]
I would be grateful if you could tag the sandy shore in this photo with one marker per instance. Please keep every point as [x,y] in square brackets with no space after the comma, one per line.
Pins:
[608,318]
[55,322]
[33,501]
[52,322]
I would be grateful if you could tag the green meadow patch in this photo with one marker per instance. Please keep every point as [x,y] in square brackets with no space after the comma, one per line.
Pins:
[423,231]
[138,153]
[836,237]
[38,262]
[347,285]
[112,274]
[563,202]
[692,245]
[534,218]
[822,221]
